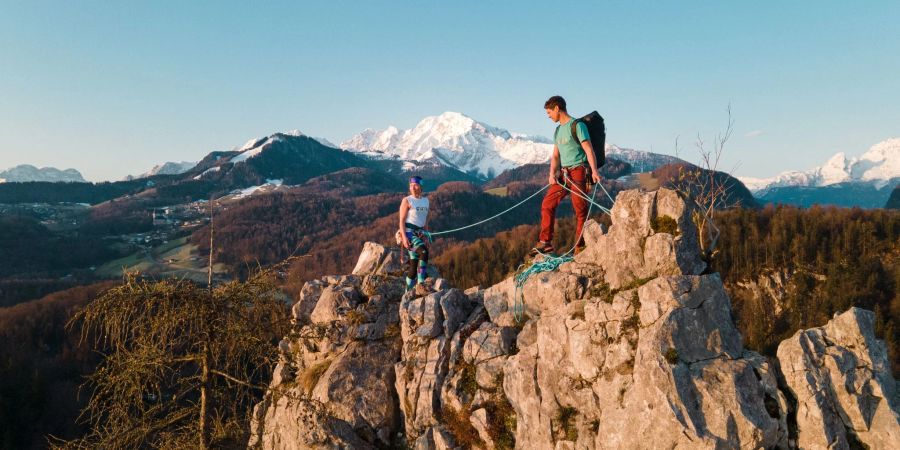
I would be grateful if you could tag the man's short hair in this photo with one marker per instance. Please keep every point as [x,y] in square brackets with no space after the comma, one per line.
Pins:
[554,101]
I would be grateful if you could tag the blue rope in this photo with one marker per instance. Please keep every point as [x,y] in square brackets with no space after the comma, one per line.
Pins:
[550,263]
[429,234]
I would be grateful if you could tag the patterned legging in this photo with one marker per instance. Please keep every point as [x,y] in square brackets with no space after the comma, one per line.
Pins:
[418,259]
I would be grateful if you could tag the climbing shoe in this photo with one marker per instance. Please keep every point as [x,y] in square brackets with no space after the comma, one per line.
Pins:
[579,249]
[541,247]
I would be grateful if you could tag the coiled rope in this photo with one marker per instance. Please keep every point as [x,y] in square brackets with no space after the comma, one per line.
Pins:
[549,262]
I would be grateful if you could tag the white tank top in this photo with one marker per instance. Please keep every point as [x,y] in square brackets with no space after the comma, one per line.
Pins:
[418,211]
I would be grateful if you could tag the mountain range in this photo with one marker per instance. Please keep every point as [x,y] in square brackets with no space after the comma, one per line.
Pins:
[447,147]
[27,172]
[879,165]
[484,151]
[455,147]
[865,181]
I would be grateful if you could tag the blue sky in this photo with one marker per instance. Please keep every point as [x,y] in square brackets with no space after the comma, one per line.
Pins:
[112,88]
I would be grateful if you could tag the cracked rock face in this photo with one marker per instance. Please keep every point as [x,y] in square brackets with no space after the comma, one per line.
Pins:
[631,345]
[662,363]
[840,376]
[634,250]
[334,387]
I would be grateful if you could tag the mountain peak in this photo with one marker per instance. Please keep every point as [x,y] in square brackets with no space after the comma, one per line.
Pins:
[456,116]
[167,168]
[879,165]
[463,143]
[255,146]
[456,140]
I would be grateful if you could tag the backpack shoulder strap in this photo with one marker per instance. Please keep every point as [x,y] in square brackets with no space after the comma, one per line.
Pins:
[574,131]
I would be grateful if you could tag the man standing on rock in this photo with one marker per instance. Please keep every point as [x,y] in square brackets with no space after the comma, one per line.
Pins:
[574,154]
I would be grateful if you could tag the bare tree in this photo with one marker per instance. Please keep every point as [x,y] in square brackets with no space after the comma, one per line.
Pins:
[708,188]
[184,363]
[212,232]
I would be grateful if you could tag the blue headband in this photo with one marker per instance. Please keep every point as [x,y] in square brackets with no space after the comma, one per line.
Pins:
[415,180]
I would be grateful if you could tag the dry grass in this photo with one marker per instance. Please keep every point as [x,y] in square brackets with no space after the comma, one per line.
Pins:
[565,418]
[664,224]
[310,377]
[392,331]
[459,425]
[501,421]
[672,356]
[355,317]
[467,382]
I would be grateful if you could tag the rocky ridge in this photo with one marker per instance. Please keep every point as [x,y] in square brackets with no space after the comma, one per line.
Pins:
[632,343]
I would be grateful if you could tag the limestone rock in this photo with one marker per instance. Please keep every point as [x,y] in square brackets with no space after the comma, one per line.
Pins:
[666,352]
[334,302]
[309,296]
[479,420]
[499,298]
[487,342]
[383,285]
[435,438]
[551,291]
[358,386]
[633,249]
[628,346]
[377,259]
[840,376]
[427,327]
[334,386]
[288,424]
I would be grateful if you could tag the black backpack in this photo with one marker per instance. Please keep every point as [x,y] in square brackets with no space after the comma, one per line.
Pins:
[597,131]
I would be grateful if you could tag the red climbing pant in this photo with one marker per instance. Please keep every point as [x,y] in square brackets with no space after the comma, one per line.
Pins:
[575,179]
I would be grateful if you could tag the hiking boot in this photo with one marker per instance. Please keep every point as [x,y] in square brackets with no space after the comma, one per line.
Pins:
[541,247]
[423,290]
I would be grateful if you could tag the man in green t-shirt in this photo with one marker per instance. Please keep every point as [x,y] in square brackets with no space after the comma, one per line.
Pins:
[574,156]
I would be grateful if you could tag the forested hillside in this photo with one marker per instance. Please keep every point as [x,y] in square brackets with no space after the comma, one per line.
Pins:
[42,365]
[29,248]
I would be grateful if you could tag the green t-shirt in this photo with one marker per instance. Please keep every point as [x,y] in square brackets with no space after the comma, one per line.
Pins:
[570,152]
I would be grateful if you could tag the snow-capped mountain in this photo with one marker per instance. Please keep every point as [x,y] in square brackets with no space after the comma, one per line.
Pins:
[455,140]
[458,141]
[640,160]
[879,166]
[254,147]
[27,172]
[168,168]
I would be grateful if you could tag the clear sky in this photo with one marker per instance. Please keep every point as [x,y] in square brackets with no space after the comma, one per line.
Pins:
[112,88]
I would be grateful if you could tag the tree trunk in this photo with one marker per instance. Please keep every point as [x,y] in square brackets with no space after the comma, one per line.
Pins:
[204,400]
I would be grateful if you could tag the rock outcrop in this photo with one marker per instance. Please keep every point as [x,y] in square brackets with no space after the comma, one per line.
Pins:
[334,385]
[840,376]
[630,345]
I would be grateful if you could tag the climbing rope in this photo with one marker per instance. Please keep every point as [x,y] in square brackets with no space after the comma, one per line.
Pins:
[549,262]
[429,234]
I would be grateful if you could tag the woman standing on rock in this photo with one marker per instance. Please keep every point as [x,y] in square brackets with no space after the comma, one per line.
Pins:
[413,219]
